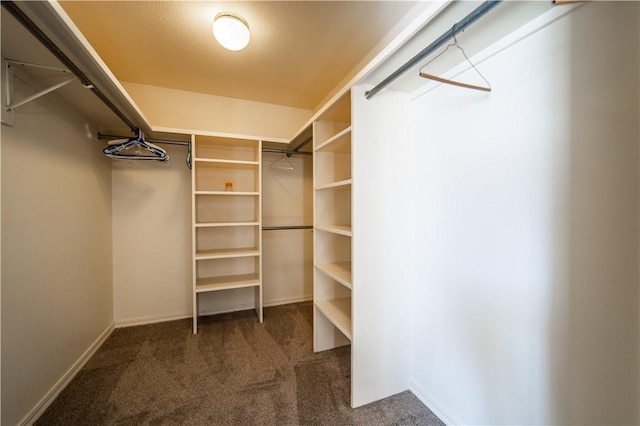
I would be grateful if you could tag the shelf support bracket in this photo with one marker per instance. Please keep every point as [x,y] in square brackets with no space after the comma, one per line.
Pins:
[8,63]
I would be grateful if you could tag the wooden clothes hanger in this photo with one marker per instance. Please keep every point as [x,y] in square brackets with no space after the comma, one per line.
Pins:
[454,82]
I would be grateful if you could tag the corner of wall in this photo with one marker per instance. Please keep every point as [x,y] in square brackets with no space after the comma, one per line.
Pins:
[59,386]
[433,404]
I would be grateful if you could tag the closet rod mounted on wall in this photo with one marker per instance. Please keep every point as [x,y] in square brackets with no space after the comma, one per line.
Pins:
[26,22]
[172,142]
[440,41]
[160,141]
[289,152]
[280,228]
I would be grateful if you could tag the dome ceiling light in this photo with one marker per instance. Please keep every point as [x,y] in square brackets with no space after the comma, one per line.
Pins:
[231,31]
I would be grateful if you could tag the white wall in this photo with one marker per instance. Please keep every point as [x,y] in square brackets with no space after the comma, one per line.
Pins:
[192,112]
[526,209]
[381,246]
[152,239]
[57,295]
[287,260]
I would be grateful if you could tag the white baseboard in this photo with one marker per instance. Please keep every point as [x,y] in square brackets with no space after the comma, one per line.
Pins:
[288,300]
[245,307]
[221,310]
[46,401]
[131,322]
[432,404]
[227,309]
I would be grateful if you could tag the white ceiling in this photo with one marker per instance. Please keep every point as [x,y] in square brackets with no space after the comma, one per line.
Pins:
[299,50]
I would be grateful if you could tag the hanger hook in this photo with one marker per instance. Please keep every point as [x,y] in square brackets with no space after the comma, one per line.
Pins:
[455,43]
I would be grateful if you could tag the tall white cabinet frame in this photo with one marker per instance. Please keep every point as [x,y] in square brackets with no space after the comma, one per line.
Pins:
[360,258]
[226,180]
[332,184]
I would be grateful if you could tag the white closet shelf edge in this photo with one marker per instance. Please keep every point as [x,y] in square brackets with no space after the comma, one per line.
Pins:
[343,184]
[338,312]
[323,146]
[227,282]
[226,193]
[226,162]
[224,224]
[339,271]
[335,229]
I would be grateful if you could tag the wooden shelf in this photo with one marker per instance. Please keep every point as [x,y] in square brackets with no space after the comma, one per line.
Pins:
[214,162]
[339,271]
[339,143]
[338,311]
[223,224]
[226,253]
[226,193]
[227,282]
[335,229]
[343,184]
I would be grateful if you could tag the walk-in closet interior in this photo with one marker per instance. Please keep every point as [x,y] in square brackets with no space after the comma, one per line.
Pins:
[454,186]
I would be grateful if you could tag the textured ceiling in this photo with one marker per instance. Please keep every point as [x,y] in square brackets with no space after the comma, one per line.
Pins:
[299,50]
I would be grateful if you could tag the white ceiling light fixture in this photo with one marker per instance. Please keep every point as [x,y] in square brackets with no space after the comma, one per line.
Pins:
[231,31]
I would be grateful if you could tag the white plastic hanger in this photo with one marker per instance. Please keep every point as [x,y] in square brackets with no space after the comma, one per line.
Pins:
[120,148]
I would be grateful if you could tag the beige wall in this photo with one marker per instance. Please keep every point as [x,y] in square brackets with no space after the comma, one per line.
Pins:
[190,112]
[152,217]
[57,295]
[152,239]
[287,199]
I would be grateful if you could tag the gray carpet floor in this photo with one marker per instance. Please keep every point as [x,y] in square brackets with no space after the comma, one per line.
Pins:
[235,371]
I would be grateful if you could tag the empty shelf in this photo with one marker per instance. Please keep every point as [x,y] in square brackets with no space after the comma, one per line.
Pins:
[222,224]
[335,229]
[339,271]
[226,253]
[338,311]
[214,162]
[343,184]
[227,282]
[339,143]
[227,193]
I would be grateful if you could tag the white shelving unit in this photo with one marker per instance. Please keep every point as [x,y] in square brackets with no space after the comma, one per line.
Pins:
[226,217]
[332,184]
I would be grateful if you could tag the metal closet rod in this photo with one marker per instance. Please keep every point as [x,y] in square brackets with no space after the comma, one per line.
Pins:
[289,152]
[26,22]
[279,228]
[171,142]
[440,41]
[160,141]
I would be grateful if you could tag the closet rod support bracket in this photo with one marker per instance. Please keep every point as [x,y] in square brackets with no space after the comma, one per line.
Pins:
[9,106]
